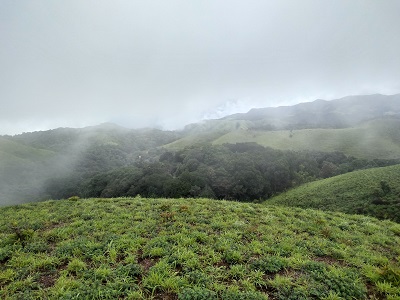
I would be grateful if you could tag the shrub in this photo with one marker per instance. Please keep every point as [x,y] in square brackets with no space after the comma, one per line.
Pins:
[198,278]
[249,295]
[130,270]
[344,283]
[197,293]
[22,234]
[76,265]
[233,256]
[270,264]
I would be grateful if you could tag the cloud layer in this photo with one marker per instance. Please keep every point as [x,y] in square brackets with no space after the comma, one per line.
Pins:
[168,63]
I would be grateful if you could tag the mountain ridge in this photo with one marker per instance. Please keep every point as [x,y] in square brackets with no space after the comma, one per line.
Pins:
[323,104]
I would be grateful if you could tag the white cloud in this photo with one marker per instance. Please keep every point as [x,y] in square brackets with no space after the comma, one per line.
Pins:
[156,63]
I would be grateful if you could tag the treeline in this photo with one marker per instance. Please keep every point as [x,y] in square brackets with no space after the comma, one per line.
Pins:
[243,172]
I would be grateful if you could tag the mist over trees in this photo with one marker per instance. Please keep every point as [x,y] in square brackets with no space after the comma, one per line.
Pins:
[228,158]
[242,172]
[29,160]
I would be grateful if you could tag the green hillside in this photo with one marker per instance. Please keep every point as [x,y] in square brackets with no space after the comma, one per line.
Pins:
[13,151]
[373,191]
[21,170]
[374,139]
[193,249]
[207,132]
[30,160]
[195,139]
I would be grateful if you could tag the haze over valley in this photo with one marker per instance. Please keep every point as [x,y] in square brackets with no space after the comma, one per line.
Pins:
[297,142]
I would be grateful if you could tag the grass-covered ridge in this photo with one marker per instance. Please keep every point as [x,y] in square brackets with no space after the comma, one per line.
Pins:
[374,139]
[193,249]
[375,192]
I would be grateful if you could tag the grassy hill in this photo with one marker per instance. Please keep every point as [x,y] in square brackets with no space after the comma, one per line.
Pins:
[29,160]
[14,151]
[193,249]
[373,139]
[355,192]
[21,169]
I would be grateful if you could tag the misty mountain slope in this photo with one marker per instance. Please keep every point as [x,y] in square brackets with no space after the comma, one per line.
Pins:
[140,248]
[349,112]
[75,139]
[22,168]
[374,192]
[67,157]
[339,113]
[372,139]
[15,150]
[196,138]
[207,132]
[28,160]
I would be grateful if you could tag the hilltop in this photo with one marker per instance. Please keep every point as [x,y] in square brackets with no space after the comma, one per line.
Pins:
[193,249]
[373,192]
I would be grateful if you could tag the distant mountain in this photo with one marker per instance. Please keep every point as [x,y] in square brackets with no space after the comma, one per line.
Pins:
[339,113]
[362,126]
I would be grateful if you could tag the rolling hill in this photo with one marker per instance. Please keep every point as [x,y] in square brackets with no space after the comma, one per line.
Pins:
[34,165]
[373,191]
[300,244]
[362,126]
[21,170]
[379,138]
[29,160]
[193,249]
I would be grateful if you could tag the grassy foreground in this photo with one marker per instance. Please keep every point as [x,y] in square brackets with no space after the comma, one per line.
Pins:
[193,249]
[374,192]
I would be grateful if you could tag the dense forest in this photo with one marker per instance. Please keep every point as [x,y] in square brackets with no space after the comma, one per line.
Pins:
[243,172]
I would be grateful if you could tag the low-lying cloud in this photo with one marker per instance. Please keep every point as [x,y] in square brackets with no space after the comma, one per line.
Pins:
[166,64]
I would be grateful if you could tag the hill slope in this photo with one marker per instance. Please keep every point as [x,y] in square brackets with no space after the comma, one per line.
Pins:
[374,139]
[355,192]
[35,166]
[365,126]
[21,170]
[193,249]
[29,160]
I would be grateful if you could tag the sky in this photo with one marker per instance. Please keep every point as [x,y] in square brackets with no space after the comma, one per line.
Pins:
[166,64]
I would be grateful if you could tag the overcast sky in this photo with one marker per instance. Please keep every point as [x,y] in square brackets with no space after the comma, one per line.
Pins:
[168,63]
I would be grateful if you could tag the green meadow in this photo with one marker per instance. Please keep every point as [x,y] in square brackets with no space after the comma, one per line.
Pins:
[138,248]
[374,139]
[374,192]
